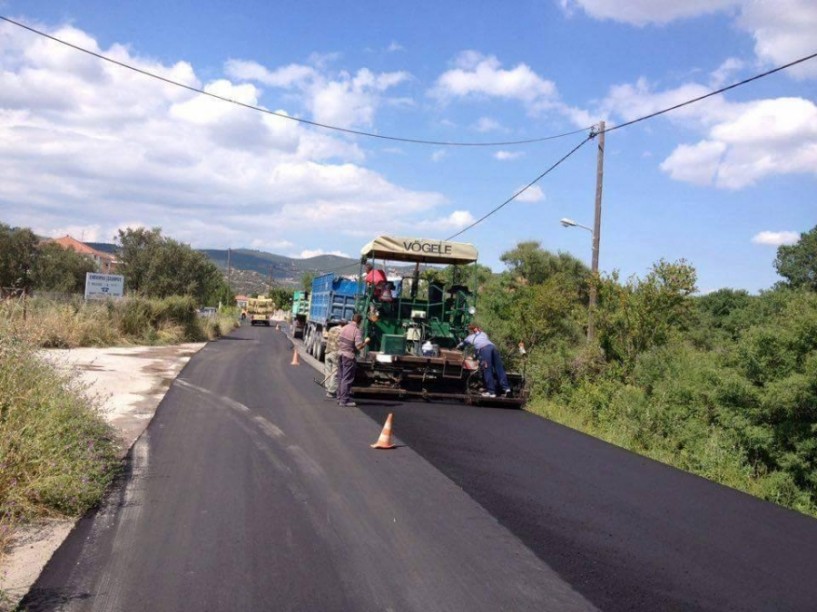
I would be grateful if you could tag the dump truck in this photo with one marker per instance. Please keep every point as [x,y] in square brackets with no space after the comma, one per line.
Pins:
[260,310]
[300,310]
[332,302]
[415,325]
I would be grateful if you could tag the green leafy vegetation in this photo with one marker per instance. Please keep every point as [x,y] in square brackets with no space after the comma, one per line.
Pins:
[160,267]
[57,455]
[131,321]
[723,385]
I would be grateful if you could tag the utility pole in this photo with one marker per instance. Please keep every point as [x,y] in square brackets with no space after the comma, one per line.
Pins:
[591,325]
[229,269]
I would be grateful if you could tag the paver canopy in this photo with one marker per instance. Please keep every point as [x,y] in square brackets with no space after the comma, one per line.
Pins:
[422,250]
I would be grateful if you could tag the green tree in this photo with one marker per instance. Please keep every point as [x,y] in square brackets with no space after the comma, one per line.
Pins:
[642,314]
[543,312]
[59,269]
[18,252]
[137,248]
[797,263]
[306,280]
[223,295]
[155,266]
[530,264]
[282,297]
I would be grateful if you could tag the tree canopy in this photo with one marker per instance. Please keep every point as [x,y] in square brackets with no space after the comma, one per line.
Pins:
[61,270]
[18,252]
[797,263]
[529,263]
[156,266]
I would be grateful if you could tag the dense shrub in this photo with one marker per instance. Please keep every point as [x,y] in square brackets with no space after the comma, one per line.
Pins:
[50,324]
[723,385]
[57,455]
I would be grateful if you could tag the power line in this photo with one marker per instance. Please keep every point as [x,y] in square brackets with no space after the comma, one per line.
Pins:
[593,133]
[326,126]
[714,93]
[399,138]
[420,141]
[525,188]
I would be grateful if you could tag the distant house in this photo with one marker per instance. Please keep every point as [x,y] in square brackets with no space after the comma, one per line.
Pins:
[105,262]
[241,301]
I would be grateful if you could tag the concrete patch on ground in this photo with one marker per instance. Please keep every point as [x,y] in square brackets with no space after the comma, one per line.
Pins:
[127,383]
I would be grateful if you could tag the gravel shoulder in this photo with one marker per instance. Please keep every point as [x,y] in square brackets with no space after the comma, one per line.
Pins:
[128,383]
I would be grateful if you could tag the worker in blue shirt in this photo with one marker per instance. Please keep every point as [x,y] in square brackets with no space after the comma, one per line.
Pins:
[489,360]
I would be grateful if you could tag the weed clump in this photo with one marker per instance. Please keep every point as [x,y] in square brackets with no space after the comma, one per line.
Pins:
[57,454]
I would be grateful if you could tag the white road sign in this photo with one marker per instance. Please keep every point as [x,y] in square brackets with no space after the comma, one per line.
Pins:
[103,286]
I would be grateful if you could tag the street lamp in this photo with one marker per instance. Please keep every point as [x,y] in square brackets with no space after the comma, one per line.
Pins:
[594,268]
[571,223]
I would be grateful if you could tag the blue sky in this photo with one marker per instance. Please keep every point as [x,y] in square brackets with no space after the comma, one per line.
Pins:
[87,147]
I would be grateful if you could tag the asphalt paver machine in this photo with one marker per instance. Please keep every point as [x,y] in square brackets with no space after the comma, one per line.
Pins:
[416,318]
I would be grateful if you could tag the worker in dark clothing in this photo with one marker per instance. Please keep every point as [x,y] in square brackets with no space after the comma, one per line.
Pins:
[349,342]
[490,361]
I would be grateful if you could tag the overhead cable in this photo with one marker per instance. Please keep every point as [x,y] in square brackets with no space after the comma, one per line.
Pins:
[399,138]
[526,187]
[713,93]
[440,143]
[595,133]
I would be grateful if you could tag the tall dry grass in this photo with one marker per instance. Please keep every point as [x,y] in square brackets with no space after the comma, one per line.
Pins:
[57,454]
[131,321]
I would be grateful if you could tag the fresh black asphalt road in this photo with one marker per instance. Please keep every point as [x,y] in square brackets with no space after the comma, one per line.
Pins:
[249,491]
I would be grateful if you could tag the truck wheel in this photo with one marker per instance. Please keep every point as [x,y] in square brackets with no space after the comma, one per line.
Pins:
[320,351]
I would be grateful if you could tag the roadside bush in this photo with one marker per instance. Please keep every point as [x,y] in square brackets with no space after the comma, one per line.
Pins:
[220,325]
[57,455]
[74,323]
[134,317]
[179,311]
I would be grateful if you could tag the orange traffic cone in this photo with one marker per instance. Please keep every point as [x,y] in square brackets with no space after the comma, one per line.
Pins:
[295,360]
[384,441]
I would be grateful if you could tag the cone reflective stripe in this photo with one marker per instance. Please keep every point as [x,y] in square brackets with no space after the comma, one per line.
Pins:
[295,360]
[384,441]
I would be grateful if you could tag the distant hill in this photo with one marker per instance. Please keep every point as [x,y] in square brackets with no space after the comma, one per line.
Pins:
[279,267]
[253,271]
[105,247]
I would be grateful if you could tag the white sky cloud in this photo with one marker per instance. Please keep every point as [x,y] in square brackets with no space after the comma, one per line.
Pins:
[439,155]
[725,73]
[783,30]
[275,245]
[344,100]
[643,12]
[532,194]
[307,253]
[763,138]
[508,155]
[477,75]
[84,233]
[742,142]
[455,221]
[775,238]
[633,100]
[85,144]
[487,124]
